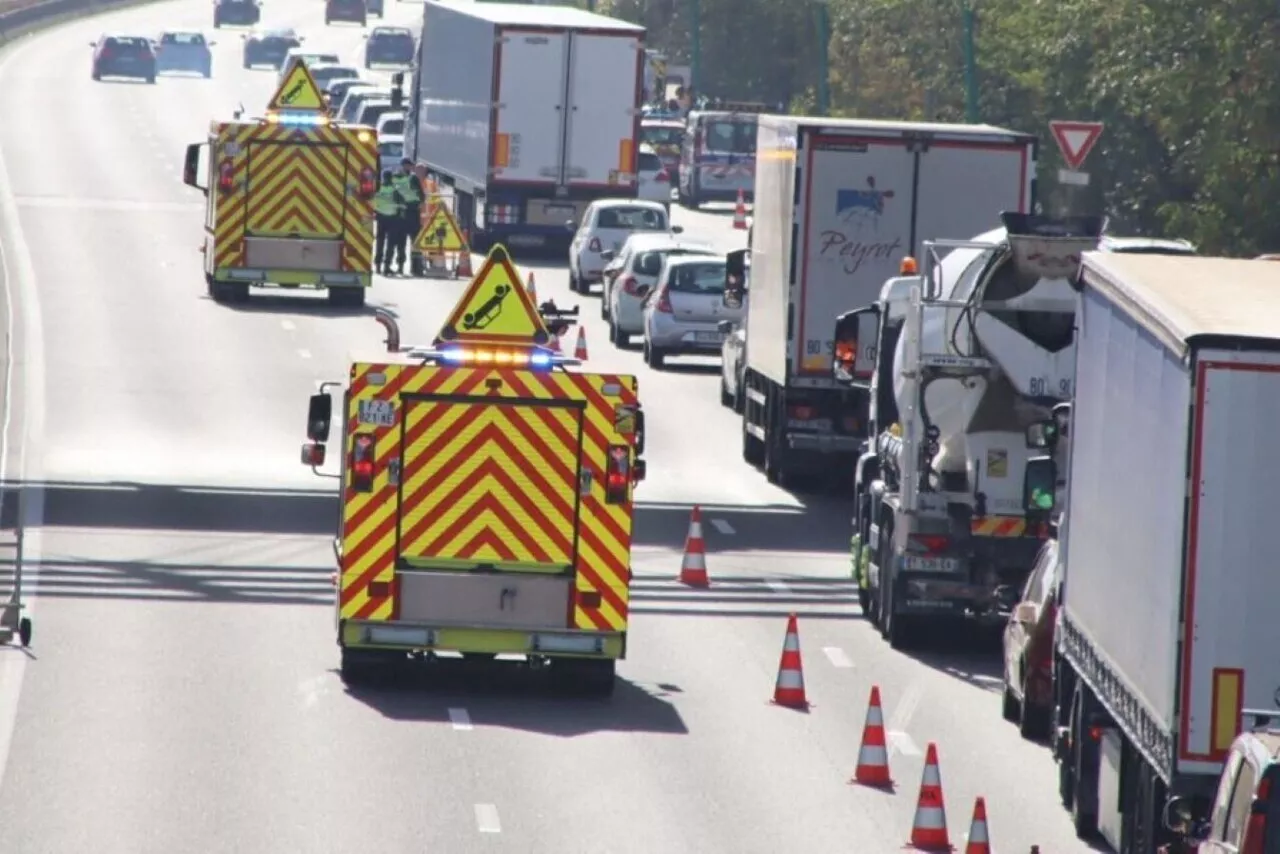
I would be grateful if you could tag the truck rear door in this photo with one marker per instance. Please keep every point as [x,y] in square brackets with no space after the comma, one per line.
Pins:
[296,188]
[529,130]
[604,71]
[490,484]
[960,176]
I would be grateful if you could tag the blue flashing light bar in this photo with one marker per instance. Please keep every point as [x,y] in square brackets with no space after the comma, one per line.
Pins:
[291,118]
[498,358]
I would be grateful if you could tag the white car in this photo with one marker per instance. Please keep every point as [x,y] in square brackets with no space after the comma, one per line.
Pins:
[639,264]
[683,312]
[391,124]
[606,224]
[371,110]
[310,57]
[654,183]
[353,102]
[390,152]
[327,72]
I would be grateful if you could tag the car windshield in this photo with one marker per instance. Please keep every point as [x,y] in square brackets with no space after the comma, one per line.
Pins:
[705,278]
[650,263]
[661,135]
[391,148]
[650,162]
[128,43]
[731,136]
[632,219]
[190,39]
[324,75]
[370,112]
[317,58]
[395,126]
[400,41]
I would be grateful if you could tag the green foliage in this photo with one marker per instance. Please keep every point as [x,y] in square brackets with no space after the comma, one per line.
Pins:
[1187,90]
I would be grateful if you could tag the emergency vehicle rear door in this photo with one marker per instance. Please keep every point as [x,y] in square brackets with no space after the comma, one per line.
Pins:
[490,484]
[297,189]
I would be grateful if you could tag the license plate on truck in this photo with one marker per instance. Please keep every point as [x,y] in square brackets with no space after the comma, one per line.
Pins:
[379,412]
[913,563]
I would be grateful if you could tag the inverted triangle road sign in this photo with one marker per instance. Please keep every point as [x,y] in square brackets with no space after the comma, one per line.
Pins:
[1075,140]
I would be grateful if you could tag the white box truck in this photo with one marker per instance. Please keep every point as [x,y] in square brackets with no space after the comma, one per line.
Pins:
[1167,633]
[838,205]
[528,112]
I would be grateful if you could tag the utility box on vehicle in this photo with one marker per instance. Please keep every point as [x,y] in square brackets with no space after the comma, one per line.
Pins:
[1167,634]
[528,112]
[838,204]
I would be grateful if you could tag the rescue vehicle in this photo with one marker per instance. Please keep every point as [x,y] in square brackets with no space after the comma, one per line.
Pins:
[289,198]
[486,493]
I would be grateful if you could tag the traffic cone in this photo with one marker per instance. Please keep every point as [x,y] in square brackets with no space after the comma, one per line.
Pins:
[873,755]
[580,349]
[533,290]
[978,842]
[740,212]
[693,568]
[789,690]
[464,257]
[929,829]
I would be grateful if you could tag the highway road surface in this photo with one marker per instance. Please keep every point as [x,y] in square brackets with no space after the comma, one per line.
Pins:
[181,693]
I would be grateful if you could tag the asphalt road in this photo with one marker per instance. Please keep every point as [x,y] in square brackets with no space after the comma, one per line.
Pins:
[181,694]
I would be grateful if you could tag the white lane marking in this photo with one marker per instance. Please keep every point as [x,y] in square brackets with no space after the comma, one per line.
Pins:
[312,690]
[837,657]
[287,325]
[901,742]
[19,272]
[722,526]
[306,354]
[777,586]
[900,720]
[487,818]
[460,719]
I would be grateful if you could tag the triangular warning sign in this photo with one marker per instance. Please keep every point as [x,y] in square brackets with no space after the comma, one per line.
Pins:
[441,233]
[298,90]
[495,310]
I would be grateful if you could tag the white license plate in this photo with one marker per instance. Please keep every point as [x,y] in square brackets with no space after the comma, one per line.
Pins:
[708,337]
[932,564]
[379,412]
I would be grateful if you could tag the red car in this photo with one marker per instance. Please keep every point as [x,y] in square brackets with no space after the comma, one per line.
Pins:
[1028,648]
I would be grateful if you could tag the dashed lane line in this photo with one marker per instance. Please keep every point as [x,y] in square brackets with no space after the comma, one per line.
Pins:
[487,819]
[723,527]
[460,719]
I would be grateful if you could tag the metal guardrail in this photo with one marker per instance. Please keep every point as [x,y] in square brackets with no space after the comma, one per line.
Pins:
[17,21]
[14,624]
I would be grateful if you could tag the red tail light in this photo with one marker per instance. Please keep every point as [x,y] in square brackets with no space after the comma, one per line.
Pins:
[107,53]
[1255,832]
[368,183]
[630,286]
[617,478]
[664,304]
[594,245]
[662,177]
[362,463]
[928,544]
[226,177]
[802,412]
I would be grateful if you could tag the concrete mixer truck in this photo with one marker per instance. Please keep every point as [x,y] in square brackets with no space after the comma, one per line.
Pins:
[960,356]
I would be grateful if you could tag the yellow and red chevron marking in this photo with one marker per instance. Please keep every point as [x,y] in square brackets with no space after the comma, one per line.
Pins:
[296,189]
[603,560]
[998,526]
[489,482]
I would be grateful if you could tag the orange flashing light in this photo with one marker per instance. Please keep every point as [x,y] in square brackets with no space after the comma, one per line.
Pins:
[908,267]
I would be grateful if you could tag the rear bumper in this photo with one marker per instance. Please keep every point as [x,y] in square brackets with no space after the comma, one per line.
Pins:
[424,637]
[293,278]
[346,14]
[683,338]
[824,443]
[138,70]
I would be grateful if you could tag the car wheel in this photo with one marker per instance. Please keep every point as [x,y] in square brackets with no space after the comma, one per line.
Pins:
[726,399]
[653,357]
[96,75]
[617,337]
[574,284]
[604,305]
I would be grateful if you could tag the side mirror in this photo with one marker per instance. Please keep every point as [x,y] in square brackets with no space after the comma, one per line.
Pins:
[857,341]
[638,470]
[608,255]
[191,167]
[677,229]
[725,327]
[1043,435]
[319,416]
[93,44]
[1179,816]
[313,454]
[1040,485]
[639,435]
[213,44]
[1026,613]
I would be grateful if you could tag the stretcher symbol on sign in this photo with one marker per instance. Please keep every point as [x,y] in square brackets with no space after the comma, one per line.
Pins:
[294,91]
[487,313]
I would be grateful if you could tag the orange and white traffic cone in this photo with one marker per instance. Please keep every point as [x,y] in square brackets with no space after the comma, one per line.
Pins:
[580,349]
[929,828]
[789,689]
[693,568]
[464,257]
[533,291]
[873,755]
[740,212]
[978,842]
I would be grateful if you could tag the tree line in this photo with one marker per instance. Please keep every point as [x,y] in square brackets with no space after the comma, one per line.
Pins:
[1189,93]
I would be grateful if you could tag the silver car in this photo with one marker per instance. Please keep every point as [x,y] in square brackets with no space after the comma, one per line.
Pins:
[184,52]
[682,313]
[639,264]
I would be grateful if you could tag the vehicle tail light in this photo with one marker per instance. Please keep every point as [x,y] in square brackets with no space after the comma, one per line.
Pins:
[107,53]
[664,303]
[1255,832]
[594,245]
[362,462]
[617,478]
[630,286]
[928,544]
[368,184]
[662,177]
[226,177]
[802,412]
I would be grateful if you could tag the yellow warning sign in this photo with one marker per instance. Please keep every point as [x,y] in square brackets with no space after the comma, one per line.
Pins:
[495,309]
[440,234]
[298,90]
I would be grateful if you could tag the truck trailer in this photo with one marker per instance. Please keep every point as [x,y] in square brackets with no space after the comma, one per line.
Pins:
[1166,635]
[839,204]
[528,112]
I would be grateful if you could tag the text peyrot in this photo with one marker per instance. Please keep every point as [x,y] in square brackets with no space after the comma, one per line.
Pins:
[854,253]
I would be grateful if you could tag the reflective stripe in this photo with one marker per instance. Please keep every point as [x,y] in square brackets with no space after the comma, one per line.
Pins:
[790,679]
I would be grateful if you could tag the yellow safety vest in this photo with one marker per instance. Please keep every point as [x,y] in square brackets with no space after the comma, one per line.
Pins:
[408,187]
[384,202]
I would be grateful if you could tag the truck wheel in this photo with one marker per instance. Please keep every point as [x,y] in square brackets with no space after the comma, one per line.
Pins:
[774,469]
[360,667]
[1084,815]
[752,448]
[228,292]
[1009,705]
[24,631]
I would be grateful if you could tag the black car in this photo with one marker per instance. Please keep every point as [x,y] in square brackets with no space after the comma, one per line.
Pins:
[269,47]
[124,56]
[376,7]
[346,10]
[389,46]
[236,13]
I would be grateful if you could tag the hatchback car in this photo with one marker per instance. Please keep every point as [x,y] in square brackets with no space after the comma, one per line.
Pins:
[1028,648]
[389,46]
[606,224]
[390,124]
[269,47]
[237,13]
[309,57]
[652,182]
[337,89]
[373,109]
[184,51]
[390,152]
[349,110]
[124,56]
[639,263]
[327,72]
[351,11]
[682,313]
